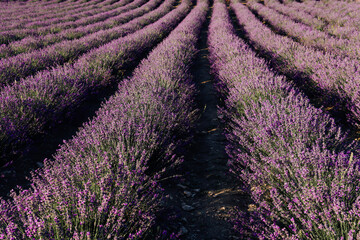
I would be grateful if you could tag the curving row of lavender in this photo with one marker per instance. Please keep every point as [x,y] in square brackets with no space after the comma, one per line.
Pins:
[99,186]
[42,13]
[30,9]
[307,35]
[62,15]
[25,45]
[347,28]
[56,9]
[302,175]
[31,106]
[18,34]
[331,75]
[296,14]
[23,65]
[335,13]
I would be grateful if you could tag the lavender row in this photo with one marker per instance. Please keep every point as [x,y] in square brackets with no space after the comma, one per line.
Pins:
[307,35]
[32,106]
[297,14]
[131,11]
[331,75]
[99,185]
[38,11]
[17,6]
[94,11]
[50,7]
[72,16]
[24,18]
[14,35]
[294,161]
[350,30]
[26,64]
[335,13]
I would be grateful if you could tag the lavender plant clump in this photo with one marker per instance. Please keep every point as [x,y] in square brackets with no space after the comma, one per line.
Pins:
[98,186]
[302,174]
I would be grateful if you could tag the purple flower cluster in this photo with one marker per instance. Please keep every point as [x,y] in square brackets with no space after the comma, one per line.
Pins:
[32,105]
[332,75]
[307,35]
[131,11]
[296,164]
[23,65]
[17,34]
[97,186]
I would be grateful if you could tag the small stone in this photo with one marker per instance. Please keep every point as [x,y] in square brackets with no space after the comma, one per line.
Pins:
[169,196]
[183,231]
[222,209]
[252,207]
[188,194]
[197,190]
[39,164]
[181,186]
[187,207]
[184,219]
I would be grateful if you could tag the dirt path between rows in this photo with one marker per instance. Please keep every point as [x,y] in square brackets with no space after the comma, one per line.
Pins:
[202,201]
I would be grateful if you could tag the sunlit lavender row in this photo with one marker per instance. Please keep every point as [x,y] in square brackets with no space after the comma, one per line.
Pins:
[329,74]
[341,25]
[100,184]
[131,11]
[31,43]
[24,8]
[294,161]
[17,34]
[76,12]
[31,106]
[45,14]
[23,65]
[308,35]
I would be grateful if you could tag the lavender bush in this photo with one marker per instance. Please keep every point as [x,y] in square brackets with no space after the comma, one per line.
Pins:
[302,174]
[96,187]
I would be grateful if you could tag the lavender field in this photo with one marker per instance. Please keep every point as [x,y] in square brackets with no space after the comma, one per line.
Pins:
[180,119]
